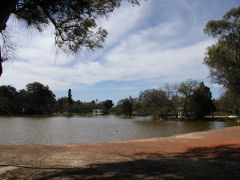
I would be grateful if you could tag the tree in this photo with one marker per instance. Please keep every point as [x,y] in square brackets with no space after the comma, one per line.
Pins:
[62,104]
[223,58]
[127,106]
[200,102]
[228,103]
[154,102]
[7,94]
[197,99]
[124,106]
[40,99]
[186,89]
[20,102]
[107,106]
[74,20]
[70,101]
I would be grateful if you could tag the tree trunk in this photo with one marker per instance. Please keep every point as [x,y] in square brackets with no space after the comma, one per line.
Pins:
[1,69]
[236,110]
[1,60]
[6,9]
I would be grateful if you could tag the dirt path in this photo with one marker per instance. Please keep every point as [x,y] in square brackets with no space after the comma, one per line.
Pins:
[205,155]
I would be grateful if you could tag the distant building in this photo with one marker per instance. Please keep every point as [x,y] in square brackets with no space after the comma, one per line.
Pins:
[97,112]
[180,112]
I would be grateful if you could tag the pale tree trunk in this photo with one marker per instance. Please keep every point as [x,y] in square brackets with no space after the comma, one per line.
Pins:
[1,69]
[6,9]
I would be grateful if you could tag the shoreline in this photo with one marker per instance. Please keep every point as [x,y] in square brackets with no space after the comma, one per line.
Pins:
[215,145]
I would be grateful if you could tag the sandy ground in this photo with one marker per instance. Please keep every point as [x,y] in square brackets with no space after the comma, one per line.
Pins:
[204,155]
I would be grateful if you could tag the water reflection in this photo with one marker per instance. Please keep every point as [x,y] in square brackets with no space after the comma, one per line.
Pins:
[191,126]
[61,130]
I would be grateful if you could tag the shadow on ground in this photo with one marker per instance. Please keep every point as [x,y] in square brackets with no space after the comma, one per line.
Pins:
[218,163]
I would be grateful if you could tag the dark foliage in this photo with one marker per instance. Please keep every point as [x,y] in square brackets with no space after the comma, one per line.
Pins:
[36,99]
[223,58]
[197,99]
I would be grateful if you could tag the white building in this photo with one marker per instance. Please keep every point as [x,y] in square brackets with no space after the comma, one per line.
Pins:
[180,112]
[97,112]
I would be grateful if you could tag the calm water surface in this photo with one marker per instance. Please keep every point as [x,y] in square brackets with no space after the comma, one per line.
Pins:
[60,130]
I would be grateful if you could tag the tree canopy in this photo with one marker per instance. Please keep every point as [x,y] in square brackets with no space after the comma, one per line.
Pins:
[197,99]
[74,21]
[200,102]
[155,102]
[228,103]
[36,99]
[7,93]
[223,58]
[107,106]
[125,106]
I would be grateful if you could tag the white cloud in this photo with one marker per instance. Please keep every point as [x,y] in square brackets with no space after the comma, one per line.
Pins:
[162,30]
[123,20]
[122,64]
[214,85]
[137,54]
[142,63]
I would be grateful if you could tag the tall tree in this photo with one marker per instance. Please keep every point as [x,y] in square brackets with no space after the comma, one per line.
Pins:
[125,106]
[186,89]
[21,102]
[154,102]
[228,103]
[107,105]
[40,98]
[223,58]
[74,20]
[70,101]
[7,94]
[200,102]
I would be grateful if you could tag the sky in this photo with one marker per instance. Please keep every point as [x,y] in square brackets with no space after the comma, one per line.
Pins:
[159,42]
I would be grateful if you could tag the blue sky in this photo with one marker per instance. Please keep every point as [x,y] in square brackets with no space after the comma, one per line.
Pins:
[150,45]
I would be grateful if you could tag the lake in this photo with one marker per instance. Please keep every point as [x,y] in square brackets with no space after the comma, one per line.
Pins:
[60,130]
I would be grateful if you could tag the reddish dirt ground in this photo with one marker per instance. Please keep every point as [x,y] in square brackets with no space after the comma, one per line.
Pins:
[204,155]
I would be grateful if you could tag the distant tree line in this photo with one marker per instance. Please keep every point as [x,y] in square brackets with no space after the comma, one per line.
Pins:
[63,106]
[193,98]
[35,99]
[39,99]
